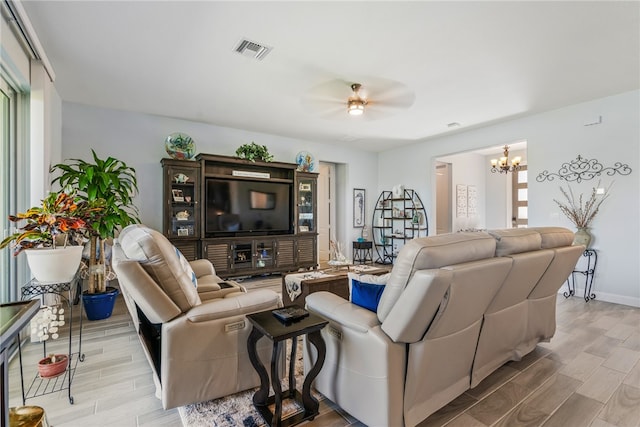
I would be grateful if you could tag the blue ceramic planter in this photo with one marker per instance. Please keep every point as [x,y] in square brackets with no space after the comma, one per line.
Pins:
[99,306]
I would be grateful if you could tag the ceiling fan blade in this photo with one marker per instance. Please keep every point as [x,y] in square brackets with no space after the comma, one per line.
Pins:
[393,95]
[328,99]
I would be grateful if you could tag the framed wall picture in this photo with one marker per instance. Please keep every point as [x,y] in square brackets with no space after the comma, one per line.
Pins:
[177,195]
[358,207]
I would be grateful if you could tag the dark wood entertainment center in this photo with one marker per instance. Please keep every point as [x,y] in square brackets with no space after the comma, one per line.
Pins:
[239,252]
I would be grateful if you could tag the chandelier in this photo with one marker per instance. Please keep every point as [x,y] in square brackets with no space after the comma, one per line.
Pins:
[502,165]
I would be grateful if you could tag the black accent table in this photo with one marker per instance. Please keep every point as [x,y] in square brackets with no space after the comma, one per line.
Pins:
[363,252]
[265,324]
[592,256]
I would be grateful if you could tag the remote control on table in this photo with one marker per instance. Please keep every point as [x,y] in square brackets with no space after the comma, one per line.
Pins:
[290,314]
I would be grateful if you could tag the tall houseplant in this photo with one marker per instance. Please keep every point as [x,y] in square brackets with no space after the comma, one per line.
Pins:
[111,183]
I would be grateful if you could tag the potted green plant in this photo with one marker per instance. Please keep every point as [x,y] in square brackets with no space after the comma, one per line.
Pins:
[254,152]
[52,236]
[112,184]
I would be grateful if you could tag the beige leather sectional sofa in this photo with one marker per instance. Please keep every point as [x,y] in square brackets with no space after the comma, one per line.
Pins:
[194,337]
[456,307]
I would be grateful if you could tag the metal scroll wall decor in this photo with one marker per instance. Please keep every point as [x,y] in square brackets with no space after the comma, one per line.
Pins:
[582,169]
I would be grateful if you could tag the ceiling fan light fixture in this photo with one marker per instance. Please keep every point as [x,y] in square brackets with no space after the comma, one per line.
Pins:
[355,107]
[355,104]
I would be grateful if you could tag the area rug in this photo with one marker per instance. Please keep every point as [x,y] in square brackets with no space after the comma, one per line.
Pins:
[237,410]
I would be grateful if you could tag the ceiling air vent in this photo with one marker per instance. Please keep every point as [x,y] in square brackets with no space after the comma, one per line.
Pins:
[252,49]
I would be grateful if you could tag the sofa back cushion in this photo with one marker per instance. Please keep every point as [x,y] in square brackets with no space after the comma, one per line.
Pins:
[429,253]
[163,262]
[554,237]
[515,241]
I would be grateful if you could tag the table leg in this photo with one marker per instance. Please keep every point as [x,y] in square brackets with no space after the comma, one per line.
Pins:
[260,396]
[571,286]
[292,367]
[591,271]
[275,383]
[310,403]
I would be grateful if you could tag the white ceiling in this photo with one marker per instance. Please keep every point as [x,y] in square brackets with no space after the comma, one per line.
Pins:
[472,63]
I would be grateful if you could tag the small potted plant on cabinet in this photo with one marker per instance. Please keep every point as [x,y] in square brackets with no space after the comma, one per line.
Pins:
[52,236]
[253,152]
[112,184]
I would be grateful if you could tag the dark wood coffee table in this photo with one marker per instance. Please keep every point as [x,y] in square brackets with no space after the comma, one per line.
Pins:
[337,283]
[266,324]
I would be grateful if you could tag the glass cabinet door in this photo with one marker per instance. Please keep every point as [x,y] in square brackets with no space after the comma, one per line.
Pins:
[183,202]
[264,255]
[306,208]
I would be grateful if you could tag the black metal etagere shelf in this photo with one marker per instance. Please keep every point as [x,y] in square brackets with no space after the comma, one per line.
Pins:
[396,219]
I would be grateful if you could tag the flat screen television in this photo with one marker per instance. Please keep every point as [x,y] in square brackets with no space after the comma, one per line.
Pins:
[239,207]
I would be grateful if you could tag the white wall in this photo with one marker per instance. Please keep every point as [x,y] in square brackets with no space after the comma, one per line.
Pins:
[554,138]
[138,140]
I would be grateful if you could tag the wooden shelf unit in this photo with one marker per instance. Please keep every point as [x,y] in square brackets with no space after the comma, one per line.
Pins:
[242,255]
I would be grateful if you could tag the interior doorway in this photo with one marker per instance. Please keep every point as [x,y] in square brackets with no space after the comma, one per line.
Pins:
[326,209]
[499,199]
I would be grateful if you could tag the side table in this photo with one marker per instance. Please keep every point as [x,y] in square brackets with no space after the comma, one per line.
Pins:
[13,317]
[590,271]
[363,252]
[266,324]
[40,386]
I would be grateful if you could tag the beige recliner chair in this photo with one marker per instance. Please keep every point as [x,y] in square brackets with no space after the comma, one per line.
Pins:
[191,323]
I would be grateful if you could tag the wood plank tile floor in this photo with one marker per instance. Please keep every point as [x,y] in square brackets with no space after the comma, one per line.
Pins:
[588,375]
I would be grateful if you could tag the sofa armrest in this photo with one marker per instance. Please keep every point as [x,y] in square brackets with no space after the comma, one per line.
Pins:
[339,310]
[233,305]
[210,287]
[202,267]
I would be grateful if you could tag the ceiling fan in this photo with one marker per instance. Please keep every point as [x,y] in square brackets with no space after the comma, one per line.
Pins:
[377,99]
